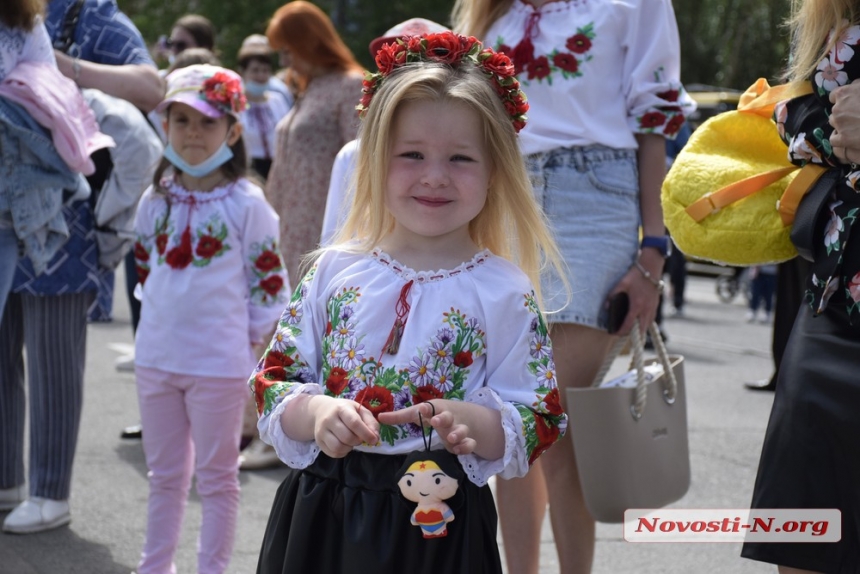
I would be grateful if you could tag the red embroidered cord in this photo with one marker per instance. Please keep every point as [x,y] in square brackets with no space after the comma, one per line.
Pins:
[401,308]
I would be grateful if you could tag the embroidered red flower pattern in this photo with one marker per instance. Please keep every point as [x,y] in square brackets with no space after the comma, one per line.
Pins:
[463,359]
[546,436]
[376,400]
[337,380]
[272,284]
[181,256]
[140,252]
[566,62]
[208,246]
[161,243]
[578,43]
[426,392]
[267,261]
[653,119]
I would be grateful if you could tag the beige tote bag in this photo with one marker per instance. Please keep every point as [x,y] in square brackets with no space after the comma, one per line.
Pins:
[631,443]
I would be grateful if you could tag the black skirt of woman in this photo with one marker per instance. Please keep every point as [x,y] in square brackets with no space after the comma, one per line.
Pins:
[347,516]
[811,452]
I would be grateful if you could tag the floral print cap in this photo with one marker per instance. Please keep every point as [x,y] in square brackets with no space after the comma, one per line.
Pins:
[211,90]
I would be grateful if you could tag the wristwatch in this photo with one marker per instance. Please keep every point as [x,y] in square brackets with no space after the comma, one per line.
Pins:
[661,243]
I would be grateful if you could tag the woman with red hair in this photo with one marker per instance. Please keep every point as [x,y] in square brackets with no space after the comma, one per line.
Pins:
[327,80]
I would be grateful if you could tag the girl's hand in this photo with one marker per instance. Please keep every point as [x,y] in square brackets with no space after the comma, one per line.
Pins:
[454,435]
[644,295]
[341,425]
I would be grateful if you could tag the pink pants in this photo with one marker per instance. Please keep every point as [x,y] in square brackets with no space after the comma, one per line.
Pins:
[190,424]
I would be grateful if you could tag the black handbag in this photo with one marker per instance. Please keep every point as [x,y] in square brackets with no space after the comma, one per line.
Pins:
[806,226]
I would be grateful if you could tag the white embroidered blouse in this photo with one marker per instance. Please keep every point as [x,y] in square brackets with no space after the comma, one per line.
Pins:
[212,282]
[594,71]
[18,45]
[472,333]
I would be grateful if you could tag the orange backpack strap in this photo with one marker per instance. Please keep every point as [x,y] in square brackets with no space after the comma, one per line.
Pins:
[713,202]
[795,191]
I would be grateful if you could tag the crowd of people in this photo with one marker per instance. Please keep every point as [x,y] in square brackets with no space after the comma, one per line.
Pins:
[366,275]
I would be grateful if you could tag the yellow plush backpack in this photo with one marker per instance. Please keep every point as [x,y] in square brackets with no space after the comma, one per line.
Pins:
[731,194]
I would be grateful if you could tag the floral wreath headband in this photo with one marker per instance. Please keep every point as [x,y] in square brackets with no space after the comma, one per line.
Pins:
[454,50]
[211,90]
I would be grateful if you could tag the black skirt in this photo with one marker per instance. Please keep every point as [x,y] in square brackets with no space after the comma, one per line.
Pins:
[811,452]
[347,516]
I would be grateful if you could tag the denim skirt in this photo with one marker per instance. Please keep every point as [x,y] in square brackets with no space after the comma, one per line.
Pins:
[591,197]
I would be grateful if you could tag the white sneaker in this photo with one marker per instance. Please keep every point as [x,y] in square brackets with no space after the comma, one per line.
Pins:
[764,317]
[37,514]
[12,497]
[125,363]
[258,456]
[750,316]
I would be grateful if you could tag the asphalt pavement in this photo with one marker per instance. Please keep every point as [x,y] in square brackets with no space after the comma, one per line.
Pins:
[109,490]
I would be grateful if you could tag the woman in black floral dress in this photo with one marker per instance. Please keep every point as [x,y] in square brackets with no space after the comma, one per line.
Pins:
[811,453]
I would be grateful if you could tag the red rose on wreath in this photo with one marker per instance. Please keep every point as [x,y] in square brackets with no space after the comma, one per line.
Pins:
[267,261]
[498,63]
[566,62]
[539,68]
[463,359]
[653,119]
[181,256]
[546,436]
[426,392]
[225,91]
[376,400]
[674,125]
[578,43]
[208,246]
[389,57]
[161,243]
[444,47]
[337,380]
[140,252]
[272,284]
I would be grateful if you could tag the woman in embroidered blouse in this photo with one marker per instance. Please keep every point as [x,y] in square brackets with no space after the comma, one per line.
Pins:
[212,285]
[811,454]
[425,297]
[327,80]
[602,78]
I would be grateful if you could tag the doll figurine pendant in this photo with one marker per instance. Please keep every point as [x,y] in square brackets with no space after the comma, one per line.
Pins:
[429,478]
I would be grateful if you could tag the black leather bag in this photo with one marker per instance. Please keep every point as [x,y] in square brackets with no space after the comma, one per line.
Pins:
[807,220]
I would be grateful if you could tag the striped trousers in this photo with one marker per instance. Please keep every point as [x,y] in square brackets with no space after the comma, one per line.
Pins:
[54,331]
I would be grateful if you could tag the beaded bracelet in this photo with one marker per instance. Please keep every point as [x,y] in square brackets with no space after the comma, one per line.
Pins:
[657,283]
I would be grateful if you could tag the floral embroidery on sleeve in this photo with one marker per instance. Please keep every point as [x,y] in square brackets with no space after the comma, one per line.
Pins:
[282,367]
[544,421]
[267,283]
[664,119]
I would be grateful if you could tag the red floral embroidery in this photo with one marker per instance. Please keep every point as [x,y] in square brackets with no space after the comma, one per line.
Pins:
[553,406]
[181,256]
[337,380]
[546,436]
[426,392]
[653,119]
[267,261]
[140,252]
[376,400]
[669,96]
[277,359]
[674,124]
[272,284]
[539,68]
[208,246]
[262,382]
[523,55]
[463,359]
[566,62]
[578,43]
[142,274]
[161,243]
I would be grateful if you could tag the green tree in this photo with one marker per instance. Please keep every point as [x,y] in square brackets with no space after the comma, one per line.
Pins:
[731,43]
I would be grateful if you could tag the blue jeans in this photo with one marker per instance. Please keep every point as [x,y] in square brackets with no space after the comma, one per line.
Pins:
[8,262]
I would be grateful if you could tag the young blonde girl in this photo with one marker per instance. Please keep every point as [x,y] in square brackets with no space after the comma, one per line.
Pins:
[423,311]
[212,285]
[811,455]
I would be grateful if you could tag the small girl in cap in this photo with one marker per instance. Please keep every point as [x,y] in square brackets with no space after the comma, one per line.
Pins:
[212,285]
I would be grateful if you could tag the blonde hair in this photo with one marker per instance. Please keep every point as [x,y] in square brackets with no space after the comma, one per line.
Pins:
[474,17]
[811,23]
[511,224]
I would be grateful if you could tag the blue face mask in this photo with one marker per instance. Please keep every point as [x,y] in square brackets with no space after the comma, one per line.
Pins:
[255,89]
[221,156]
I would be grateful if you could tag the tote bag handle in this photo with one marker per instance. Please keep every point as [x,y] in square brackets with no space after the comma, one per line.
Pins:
[637,344]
